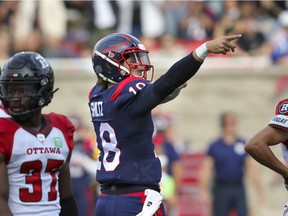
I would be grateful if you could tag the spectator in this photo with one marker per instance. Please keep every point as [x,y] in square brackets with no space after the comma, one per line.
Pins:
[279,53]
[141,18]
[164,140]
[171,168]
[80,29]
[34,19]
[198,23]
[167,181]
[173,12]
[5,43]
[226,165]
[30,26]
[274,8]
[228,18]
[8,9]
[253,41]
[167,185]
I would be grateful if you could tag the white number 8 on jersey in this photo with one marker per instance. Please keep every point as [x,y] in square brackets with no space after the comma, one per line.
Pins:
[109,144]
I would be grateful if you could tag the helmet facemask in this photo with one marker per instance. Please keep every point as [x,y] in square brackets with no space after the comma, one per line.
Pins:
[23,97]
[139,60]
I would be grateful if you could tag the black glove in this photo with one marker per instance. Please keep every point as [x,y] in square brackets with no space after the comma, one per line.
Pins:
[286,183]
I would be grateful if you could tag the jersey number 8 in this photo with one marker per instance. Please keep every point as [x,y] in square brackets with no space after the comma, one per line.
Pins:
[109,143]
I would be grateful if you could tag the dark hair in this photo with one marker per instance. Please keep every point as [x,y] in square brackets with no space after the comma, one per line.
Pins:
[102,83]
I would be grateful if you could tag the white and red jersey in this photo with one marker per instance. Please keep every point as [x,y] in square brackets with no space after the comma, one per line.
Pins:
[3,114]
[281,121]
[33,161]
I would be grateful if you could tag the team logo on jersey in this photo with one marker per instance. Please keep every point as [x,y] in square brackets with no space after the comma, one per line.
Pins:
[57,142]
[41,137]
[283,108]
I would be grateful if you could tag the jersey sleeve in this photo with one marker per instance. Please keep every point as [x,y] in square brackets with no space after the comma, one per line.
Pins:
[210,151]
[65,125]
[3,147]
[280,120]
[7,130]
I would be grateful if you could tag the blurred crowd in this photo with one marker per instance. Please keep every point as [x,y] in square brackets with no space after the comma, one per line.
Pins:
[71,28]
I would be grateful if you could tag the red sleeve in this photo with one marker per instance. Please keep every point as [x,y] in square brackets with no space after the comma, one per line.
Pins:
[63,123]
[7,131]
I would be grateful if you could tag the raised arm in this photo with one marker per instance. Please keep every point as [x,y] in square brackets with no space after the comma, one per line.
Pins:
[179,73]
[4,188]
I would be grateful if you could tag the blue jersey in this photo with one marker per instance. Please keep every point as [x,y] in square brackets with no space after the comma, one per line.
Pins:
[122,121]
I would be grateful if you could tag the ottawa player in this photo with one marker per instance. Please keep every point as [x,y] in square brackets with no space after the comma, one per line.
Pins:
[121,104]
[35,148]
[275,133]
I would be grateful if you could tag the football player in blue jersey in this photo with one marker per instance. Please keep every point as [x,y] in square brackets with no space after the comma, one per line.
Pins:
[120,103]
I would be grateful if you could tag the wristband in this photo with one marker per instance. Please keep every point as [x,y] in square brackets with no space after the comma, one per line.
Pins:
[201,51]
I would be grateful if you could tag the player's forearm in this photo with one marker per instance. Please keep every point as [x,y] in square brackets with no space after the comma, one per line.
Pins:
[4,208]
[68,207]
[261,152]
[177,75]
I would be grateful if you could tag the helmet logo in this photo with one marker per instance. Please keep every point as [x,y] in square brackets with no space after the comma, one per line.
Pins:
[44,64]
[283,109]
[111,55]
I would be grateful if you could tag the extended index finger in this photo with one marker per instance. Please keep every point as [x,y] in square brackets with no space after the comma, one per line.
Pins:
[232,37]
